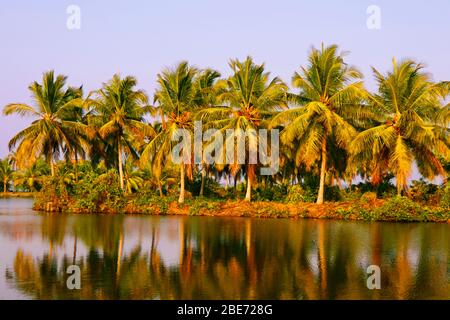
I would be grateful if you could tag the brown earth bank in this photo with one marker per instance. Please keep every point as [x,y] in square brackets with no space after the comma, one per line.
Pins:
[259,209]
[398,210]
[16,195]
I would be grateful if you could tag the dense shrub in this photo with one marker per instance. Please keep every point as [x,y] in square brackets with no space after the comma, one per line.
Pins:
[212,187]
[396,209]
[53,195]
[401,209]
[423,191]
[196,204]
[99,192]
[351,194]
[89,192]
[444,193]
[296,193]
[150,201]
[146,196]
[332,193]
[275,192]
[384,190]
[369,197]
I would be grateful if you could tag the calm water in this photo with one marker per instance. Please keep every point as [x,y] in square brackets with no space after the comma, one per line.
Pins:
[145,257]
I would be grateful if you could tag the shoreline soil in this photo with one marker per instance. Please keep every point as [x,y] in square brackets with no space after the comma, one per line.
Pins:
[393,210]
[16,195]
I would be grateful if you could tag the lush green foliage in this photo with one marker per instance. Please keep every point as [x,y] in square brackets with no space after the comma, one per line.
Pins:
[298,194]
[397,209]
[445,197]
[330,99]
[407,106]
[6,173]
[56,130]
[94,191]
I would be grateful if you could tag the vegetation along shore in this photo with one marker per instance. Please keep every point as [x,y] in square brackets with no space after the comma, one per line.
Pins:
[344,152]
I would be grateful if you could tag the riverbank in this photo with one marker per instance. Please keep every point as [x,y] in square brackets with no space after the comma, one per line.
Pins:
[397,209]
[16,195]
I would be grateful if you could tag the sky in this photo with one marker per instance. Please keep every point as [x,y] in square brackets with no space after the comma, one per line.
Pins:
[140,38]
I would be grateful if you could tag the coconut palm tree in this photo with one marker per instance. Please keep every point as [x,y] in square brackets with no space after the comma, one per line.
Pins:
[178,97]
[31,178]
[410,103]
[81,140]
[206,96]
[132,177]
[12,160]
[330,101]
[6,173]
[119,112]
[51,132]
[249,97]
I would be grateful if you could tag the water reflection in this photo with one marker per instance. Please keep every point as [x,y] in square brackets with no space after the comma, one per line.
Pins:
[143,257]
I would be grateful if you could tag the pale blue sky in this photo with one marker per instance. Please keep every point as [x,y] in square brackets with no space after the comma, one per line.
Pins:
[140,37]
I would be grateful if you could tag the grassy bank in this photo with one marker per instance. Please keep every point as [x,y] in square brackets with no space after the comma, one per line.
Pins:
[101,193]
[16,195]
[399,209]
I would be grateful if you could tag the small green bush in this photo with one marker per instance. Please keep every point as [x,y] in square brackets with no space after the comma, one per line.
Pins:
[369,197]
[146,196]
[150,198]
[272,213]
[332,193]
[296,193]
[357,211]
[395,209]
[401,209]
[195,205]
[444,201]
[273,193]
[351,194]
[53,192]
[444,194]
[422,191]
[94,193]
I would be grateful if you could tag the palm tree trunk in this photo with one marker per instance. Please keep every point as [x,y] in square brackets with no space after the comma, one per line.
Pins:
[76,167]
[119,255]
[4,185]
[322,258]
[323,168]
[119,148]
[52,166]
[248,195]
[202,186]
[160,188]
[181,198]
[399,189]
[182,241]
[74,256]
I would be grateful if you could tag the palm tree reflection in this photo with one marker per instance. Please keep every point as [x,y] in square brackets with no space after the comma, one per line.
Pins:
[232,259]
